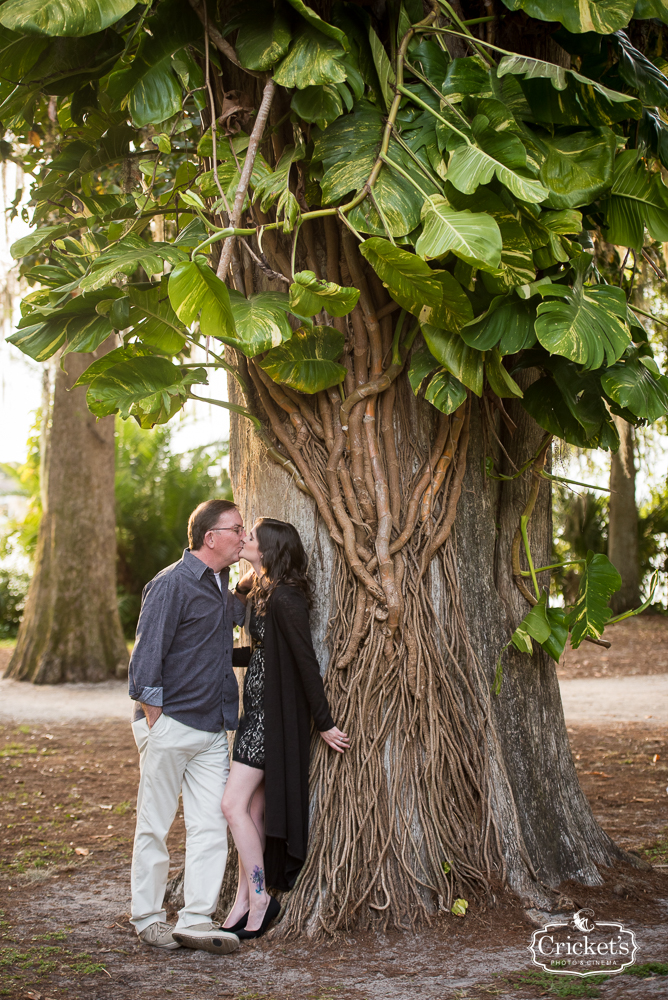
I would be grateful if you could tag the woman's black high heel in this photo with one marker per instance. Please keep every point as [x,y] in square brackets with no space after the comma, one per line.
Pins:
[271,913]
[240,924]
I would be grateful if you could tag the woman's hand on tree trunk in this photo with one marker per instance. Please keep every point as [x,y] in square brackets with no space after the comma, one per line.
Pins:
[336,739]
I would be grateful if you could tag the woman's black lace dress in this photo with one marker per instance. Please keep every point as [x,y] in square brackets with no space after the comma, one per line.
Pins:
[249,741]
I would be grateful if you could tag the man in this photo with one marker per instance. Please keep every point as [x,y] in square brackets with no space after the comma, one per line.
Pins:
[181,676]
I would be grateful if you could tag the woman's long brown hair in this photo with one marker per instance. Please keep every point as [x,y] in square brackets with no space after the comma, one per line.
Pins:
[283,560]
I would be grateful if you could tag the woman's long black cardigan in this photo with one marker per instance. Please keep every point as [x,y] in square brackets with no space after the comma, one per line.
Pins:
[293,692]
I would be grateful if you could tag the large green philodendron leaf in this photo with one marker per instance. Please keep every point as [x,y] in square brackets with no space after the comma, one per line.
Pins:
[410,281]
[310,295]
[454,308]
[474,237]
[74,326]
[508,323]
[516,266]
[113,358]
[588,326]
[637,385]
[462,361]
[641,74]
[592,97]
[125,257]
[578,16]
[275,185]
[470,166]
[310,16]
[264,36]
[348,149]
[555,644]
[423,363]
[308,362]
[138,386]
[651,8]
[443,391]
[148,84]
[638,198]
[153,319]
[500,381]
[193,286]
[37,239]
[41,340]
[261,321]
[63,17]
[435,297]
[599,582]
[313,59]
[322,105]
[156,96]
[578,166]
[534,625]
[386,76]
[546,403]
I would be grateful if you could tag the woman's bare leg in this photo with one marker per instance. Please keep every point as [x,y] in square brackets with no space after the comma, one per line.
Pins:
[241,902]
[242,784]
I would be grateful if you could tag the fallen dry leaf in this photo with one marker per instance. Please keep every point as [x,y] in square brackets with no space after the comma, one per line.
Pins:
[83,851]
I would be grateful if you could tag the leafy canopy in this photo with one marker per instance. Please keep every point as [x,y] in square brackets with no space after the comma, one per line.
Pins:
[481,183]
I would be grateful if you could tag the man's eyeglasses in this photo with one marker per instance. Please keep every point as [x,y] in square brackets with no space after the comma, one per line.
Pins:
[236,528]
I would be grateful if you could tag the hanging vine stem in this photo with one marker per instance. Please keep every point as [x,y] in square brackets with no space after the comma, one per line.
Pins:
[536,467]
[246,173]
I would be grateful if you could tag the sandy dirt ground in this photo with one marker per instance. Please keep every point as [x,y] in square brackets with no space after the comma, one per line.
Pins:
[68,778]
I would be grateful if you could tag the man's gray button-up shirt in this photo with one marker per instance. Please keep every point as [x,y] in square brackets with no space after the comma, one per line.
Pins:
[182,658]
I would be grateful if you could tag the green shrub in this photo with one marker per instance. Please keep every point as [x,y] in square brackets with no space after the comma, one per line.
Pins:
[13,591]
[156,490]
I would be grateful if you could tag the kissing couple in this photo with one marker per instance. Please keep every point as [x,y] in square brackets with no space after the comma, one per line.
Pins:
[187,697]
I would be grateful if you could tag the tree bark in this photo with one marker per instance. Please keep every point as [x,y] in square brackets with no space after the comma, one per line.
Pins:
[540,827]
[71,630]
[554,836]
[623,520]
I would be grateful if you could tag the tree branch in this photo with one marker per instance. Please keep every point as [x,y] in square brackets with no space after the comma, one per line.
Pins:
[251,153]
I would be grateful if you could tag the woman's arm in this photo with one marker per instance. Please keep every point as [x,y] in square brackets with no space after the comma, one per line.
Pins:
[291,615]
[244,586]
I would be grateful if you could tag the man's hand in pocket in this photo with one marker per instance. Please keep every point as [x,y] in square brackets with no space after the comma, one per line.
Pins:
[152,713]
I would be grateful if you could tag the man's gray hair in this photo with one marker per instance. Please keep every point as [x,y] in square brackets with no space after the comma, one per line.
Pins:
[204,518]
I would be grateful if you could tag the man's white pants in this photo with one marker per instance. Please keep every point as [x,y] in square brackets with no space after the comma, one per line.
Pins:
[174,759]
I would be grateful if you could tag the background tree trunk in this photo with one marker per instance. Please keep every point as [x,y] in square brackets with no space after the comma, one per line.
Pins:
[623,520]
[71,630]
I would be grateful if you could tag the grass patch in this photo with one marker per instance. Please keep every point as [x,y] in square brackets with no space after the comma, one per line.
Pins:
[36,857]
[647,970]
[559,986]
[86,966]
[122,808]
[658,852]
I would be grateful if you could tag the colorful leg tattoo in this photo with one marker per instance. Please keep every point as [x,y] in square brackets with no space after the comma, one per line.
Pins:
[257,878]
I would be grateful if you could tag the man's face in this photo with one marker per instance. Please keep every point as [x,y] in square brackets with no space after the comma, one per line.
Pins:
[226,540]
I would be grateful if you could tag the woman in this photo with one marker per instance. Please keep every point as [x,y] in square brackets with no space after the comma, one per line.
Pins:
[282,689]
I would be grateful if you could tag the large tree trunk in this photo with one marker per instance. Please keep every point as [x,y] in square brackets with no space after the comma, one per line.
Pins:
[441,772]
[71,630]
[623,520]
